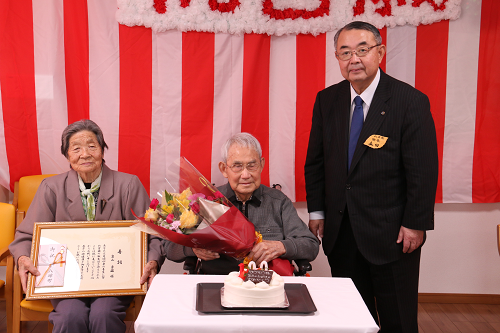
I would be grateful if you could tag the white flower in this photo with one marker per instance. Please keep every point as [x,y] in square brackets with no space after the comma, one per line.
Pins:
[249,16]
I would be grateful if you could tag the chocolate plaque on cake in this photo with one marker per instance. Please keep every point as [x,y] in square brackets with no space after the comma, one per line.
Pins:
[258,275]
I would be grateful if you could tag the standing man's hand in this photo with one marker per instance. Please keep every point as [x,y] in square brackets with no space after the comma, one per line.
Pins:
[411,239]
[317,227]
[25,266]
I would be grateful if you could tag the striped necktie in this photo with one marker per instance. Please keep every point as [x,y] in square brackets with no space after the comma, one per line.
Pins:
[356,125]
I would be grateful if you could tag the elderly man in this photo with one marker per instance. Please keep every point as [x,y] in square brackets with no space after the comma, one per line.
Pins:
[371,175]
[284,234]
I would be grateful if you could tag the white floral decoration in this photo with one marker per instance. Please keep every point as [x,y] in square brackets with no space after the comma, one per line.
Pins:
[249,16]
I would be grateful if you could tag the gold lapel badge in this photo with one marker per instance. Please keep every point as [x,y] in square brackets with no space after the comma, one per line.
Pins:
[376,141]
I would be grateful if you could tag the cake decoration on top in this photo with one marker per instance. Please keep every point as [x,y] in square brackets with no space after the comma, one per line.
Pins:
[260,274]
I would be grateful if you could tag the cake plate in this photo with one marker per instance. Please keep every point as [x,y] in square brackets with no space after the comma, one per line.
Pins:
[208,300]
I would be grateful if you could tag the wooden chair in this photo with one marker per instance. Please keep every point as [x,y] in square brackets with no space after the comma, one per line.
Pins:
[7,225]
[39,310]
[23,310]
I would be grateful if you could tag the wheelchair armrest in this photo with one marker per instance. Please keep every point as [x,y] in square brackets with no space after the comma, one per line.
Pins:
[303,266]
[190,264]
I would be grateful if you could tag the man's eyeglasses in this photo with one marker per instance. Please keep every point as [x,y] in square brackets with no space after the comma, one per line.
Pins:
[238,167]
[360,52]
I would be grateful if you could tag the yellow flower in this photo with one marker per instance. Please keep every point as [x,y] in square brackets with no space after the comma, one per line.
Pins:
[188,219]
[167,209]
[183,204]
[151,215]
[185,194]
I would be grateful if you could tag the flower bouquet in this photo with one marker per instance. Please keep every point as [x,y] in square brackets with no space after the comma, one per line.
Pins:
[199,216]
[181,212]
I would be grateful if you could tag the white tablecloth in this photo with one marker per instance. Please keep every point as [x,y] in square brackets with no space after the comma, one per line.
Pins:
[170,306]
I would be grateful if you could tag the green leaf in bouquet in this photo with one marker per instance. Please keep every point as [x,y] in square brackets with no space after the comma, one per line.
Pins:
[168,197]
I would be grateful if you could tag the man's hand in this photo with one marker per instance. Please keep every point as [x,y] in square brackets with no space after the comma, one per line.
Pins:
[266,251]
[411,239]
[205,254]
[317,227]
[25,265]
[150,271]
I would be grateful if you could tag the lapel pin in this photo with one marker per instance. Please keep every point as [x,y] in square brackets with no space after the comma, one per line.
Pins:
[382,113]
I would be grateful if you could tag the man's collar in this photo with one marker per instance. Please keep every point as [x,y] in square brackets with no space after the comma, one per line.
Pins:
[367,95]
[255,199]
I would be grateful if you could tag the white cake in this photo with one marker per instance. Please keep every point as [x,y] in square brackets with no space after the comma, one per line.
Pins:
[248,294]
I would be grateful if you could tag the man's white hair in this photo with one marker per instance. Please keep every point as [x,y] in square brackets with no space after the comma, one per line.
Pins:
[246,140]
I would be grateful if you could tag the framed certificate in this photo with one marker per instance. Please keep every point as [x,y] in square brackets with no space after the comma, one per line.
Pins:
[87,259]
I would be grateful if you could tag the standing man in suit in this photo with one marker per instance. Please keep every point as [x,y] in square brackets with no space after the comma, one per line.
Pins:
[371,176]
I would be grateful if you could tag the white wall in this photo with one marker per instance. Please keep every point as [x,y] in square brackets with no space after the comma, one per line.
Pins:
[460,256]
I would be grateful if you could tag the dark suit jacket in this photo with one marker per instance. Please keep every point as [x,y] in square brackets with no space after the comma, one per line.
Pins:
[385,188]
[58,199]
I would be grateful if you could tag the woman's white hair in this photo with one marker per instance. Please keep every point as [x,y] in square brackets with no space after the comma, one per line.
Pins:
[246,140]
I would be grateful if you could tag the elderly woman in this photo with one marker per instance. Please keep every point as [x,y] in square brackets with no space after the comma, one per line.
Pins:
[93,192]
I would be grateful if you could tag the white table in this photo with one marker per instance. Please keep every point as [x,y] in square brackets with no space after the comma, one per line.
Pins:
[170,306]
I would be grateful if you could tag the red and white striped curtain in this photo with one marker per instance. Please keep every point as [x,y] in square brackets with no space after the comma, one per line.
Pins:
[158,96]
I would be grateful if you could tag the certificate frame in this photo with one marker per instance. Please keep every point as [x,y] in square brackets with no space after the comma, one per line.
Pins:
[109,235]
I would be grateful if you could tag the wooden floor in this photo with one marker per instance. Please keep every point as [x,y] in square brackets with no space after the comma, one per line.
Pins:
[460,318]
[432,318]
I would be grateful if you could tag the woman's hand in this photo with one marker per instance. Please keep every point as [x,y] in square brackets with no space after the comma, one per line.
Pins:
[150,271]
[25,266]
